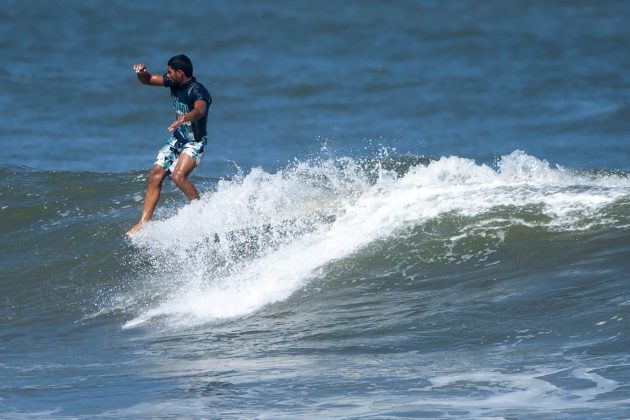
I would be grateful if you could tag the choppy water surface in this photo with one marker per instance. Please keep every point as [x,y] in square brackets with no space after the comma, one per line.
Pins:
[409,209]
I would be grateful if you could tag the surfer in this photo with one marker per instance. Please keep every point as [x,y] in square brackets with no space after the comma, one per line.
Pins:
[184,149]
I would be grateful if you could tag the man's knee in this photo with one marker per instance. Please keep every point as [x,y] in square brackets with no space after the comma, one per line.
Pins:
[179,177]
[156,176]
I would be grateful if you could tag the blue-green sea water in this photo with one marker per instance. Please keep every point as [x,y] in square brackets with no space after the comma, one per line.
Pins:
[410,209]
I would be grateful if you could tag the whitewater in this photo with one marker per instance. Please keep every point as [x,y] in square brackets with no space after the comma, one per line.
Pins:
[258,238]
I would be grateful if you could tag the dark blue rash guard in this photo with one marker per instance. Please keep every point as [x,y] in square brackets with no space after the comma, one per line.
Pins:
[184,98]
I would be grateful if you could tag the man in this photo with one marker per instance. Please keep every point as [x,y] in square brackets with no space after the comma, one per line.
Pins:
[184,149]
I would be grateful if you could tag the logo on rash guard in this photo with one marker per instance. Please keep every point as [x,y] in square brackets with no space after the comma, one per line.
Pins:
[181,109]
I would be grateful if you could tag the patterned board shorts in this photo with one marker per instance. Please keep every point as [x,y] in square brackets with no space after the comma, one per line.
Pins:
[168,155]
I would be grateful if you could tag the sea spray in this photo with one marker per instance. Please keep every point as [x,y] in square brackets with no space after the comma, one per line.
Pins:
[258,238]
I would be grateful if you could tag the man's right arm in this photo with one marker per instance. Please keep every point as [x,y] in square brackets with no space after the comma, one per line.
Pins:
[147,78]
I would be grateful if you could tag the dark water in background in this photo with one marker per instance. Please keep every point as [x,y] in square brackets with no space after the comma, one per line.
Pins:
[476,79]
[410,209]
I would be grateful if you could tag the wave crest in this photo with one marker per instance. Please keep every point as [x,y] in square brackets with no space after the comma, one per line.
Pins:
[257,238]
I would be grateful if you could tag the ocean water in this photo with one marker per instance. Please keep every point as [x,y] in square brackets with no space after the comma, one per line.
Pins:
[410,209]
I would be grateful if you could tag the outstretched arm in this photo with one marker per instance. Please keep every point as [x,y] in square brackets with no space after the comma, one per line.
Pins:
[147,78]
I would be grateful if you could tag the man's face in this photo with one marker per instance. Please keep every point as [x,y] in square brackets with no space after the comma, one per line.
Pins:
[177,76]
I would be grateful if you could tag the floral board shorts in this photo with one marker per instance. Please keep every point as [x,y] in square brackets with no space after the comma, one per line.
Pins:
[168,155]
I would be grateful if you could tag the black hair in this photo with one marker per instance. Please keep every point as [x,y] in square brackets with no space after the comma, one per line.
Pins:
[183,63]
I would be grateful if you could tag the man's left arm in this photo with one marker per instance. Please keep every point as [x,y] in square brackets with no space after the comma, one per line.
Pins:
[199,110]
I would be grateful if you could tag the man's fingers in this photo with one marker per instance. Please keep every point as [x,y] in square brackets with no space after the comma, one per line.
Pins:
[140,68]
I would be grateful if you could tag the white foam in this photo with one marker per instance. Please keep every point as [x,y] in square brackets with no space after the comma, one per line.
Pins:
[313,213]
[522,391]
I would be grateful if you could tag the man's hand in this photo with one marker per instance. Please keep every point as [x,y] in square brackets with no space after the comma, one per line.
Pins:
[176,124]
[199,110]
[139,68]
[145,77]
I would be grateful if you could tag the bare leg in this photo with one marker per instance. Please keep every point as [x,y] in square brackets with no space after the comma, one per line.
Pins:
[183,168]
[154,187]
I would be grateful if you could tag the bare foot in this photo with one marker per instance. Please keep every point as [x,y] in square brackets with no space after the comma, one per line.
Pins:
[134,229]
